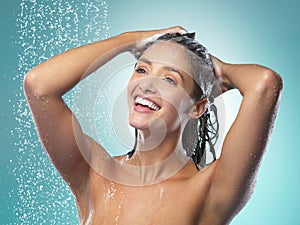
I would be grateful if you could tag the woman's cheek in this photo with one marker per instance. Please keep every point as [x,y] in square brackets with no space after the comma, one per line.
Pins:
[182,102]
[174,100]
[131,83]
[132,79]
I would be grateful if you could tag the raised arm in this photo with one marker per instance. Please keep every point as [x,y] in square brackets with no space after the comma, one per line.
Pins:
[48,82]
[247,139]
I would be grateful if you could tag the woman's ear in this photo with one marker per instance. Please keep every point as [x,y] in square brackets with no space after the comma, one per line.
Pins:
[198,108]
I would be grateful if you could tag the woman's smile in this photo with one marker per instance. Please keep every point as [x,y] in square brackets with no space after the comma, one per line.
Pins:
[145,105]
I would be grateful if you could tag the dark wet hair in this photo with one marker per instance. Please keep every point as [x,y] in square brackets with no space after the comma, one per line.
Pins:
[201,133]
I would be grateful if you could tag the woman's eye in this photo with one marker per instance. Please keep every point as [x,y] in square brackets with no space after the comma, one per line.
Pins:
[140,70]
[170,80]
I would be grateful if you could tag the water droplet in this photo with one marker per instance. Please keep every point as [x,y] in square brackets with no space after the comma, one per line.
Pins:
[46,29]
[161,193]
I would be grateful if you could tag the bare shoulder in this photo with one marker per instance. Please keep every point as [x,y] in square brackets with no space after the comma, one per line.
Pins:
[97,159]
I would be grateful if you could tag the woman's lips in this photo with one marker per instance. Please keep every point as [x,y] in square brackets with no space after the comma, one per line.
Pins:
[143,109]
[142,104]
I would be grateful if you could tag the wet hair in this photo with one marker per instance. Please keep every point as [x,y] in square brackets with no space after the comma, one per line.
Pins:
[199,134]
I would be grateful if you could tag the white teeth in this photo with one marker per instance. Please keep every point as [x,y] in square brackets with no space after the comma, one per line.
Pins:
[145,102]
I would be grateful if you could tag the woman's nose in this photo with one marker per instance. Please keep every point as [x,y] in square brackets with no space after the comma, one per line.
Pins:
[147,85]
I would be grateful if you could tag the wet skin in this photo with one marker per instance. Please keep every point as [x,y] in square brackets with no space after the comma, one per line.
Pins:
[165,80]
[176,201]
[211,196]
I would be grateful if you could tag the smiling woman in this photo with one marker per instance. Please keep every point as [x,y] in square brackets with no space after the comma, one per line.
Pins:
[174,83]
[186,65]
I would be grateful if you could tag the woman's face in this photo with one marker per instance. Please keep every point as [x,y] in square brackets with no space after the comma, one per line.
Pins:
[160,88]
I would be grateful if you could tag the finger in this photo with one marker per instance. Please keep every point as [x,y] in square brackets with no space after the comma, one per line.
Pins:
[177,29]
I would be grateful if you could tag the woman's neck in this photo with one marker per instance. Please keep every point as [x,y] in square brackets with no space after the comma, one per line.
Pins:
[155,148]
[152,165]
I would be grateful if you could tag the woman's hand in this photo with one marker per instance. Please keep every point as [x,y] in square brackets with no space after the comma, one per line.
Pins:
[143,37]
[219,67]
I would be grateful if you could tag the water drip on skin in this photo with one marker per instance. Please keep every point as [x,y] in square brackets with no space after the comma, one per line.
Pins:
[117,218]
[90,218]
[111,191]
[113,194]
[118,212]
[45,102]
[275,90]
[161,193]
[124,160]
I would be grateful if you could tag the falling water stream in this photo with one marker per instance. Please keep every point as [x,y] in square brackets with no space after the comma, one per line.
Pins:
[47,28]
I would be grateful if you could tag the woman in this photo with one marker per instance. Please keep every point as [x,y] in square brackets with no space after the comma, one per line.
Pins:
[163,98]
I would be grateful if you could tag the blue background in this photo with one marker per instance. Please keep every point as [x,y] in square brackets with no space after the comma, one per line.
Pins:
[257,31]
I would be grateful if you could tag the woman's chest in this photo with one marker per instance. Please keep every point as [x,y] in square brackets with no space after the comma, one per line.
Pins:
[169,203]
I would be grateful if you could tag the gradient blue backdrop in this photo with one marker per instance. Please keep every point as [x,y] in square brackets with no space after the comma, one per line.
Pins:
[257,31]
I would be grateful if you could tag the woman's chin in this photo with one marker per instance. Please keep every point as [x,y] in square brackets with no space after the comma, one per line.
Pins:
[153,124]
[138,123]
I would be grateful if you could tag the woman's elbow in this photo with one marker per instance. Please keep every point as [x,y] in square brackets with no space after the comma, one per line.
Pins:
[28,83]
[273,80]
[31,84]
[271,83]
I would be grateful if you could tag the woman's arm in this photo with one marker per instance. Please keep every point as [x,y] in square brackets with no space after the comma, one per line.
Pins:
[247,139]
[46,84]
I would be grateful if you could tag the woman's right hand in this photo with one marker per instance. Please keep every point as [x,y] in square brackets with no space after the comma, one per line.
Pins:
[143,37]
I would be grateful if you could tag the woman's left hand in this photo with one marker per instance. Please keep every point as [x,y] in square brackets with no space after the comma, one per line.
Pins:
[218,69]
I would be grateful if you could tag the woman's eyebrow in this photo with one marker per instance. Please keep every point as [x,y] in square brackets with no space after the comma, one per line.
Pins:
[145,61]
[168,68]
